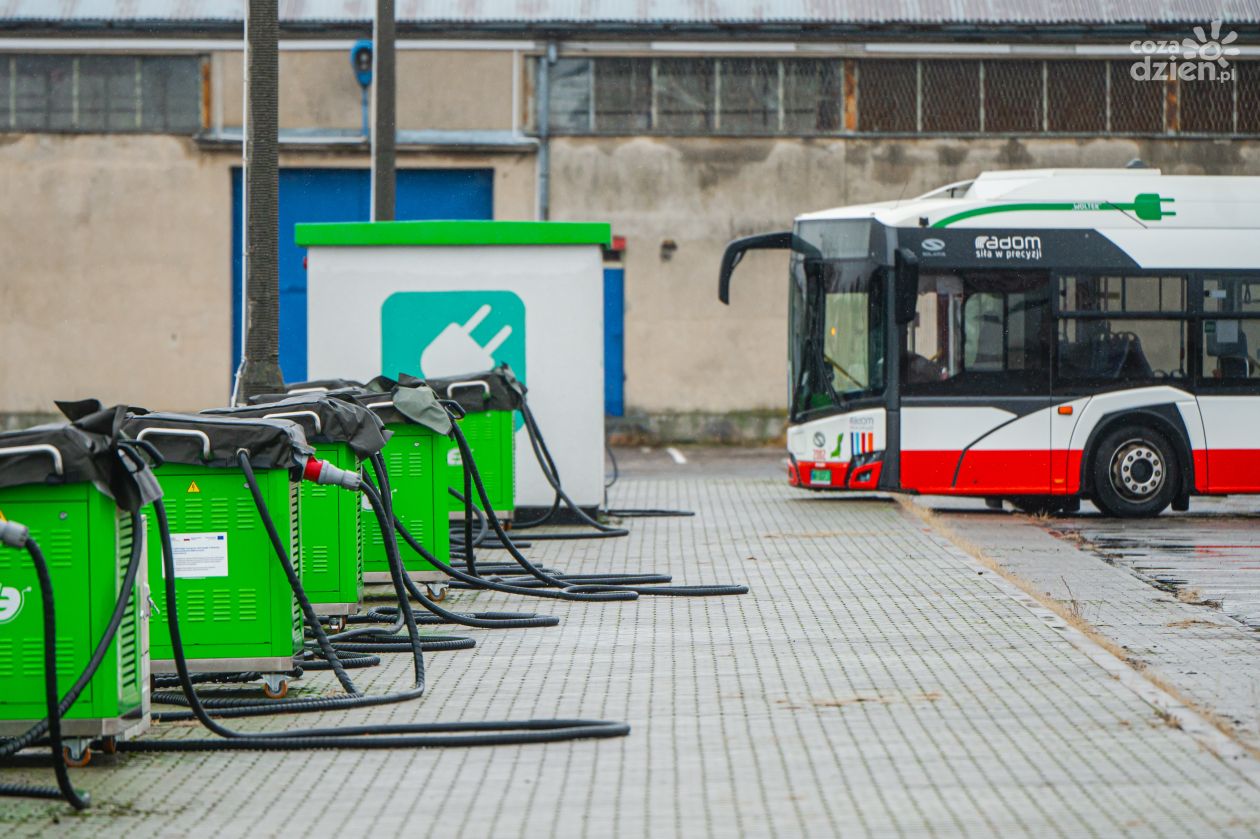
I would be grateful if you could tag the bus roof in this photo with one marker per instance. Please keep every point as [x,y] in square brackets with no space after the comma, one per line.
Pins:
[1073,198]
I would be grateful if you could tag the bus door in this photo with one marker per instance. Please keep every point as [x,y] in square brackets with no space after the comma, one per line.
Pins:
[975,375]
[1229,385]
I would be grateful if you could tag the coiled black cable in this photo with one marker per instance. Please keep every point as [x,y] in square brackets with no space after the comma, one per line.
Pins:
[481,582]
[356,737]
[65,789]
[35,732]
[482,621]
[234,707]
[534,571]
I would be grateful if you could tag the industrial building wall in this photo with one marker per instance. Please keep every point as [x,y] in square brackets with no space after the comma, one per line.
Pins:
[115,271]
[678,201]
[115,264]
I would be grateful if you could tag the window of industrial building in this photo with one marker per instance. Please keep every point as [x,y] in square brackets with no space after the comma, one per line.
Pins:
[623,95]
[811,96]
[951,97]
[1012,96]
[100,93]
[684,95]
[742,96]
[1248,87]
[888,96]
[1076,97]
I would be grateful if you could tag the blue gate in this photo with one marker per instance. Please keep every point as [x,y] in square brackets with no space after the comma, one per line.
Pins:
[312,195]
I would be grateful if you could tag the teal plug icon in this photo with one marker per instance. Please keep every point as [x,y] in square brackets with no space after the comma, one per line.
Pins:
[454,351]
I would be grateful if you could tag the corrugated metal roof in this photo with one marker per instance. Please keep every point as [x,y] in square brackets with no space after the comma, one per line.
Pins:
[647,12]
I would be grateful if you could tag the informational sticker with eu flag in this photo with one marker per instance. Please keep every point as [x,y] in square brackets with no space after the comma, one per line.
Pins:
[450,333]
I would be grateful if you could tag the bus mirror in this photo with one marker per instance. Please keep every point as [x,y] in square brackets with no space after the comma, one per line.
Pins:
[907,286]
[735,252]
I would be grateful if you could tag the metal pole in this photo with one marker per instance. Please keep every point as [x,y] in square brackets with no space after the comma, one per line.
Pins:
[260,360]
[544,131]
[384,112]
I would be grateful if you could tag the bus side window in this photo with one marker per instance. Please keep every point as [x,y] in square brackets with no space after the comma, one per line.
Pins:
[1229,343]
[984,331]
[1100,340]
[979,331]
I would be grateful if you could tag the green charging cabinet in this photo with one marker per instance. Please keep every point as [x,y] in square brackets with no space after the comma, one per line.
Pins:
[415,458]
[491,438]
[236,609]
[332,538]
[87,543]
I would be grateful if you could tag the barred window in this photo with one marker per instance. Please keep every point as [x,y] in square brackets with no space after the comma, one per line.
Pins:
[748,96]
[749,99]
[951,96]
[1137,107]
[888,96]
[1012,96]
[809,97]
[100,93]
[1076,97]
[684,95]
[1248,107]
[1207,106]
[623,95]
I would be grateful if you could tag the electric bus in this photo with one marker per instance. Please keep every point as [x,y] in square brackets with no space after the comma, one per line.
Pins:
[1035,336]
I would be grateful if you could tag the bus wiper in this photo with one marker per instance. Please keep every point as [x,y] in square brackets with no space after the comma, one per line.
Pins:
[836,365]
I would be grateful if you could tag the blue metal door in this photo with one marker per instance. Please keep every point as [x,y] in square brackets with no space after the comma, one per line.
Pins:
[614,340]
[313,195]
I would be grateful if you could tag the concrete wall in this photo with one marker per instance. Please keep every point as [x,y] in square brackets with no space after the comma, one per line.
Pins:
[115,264]
[115,273]
[687,352]
[441,90]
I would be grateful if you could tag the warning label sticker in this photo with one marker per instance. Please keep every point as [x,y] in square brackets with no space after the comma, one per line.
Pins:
[199,555]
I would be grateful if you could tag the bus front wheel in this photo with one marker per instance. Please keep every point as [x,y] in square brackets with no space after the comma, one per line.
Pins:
[1135,472]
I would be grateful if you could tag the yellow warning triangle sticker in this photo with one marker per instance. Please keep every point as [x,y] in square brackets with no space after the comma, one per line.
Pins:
[2,518]
[192,487]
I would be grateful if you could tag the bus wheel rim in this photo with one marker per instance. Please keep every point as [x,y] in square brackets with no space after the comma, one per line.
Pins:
[1137,470]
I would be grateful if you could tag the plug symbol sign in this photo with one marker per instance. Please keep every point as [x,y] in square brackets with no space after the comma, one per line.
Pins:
[11,602]
[455,351]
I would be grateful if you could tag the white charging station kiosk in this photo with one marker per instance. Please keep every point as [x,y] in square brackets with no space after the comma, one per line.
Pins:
[443,298]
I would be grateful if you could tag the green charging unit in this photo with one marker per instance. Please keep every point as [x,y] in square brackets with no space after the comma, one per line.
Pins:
[331,528]
[489,400]
[237,611]
[491,438]
[415,458]
[87,543]
[332,539]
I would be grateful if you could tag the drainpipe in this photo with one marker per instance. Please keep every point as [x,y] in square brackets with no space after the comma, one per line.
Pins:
[544,131]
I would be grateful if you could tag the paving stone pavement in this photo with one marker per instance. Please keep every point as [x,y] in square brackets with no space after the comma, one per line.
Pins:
[1209,657]
[875,683]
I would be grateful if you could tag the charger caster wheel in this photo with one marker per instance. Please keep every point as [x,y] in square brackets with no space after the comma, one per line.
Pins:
[436,591]
[275,686]
[76,753]
[336,625]
[109,745]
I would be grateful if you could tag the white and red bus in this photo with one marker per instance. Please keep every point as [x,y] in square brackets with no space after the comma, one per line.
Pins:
[1032,336]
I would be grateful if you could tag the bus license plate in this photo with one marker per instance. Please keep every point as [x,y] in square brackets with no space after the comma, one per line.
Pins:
[820,476]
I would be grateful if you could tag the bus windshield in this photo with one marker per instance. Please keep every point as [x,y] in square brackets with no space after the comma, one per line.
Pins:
[837,320]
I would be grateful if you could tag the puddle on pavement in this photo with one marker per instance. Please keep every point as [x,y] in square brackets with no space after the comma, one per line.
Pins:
[1202,557]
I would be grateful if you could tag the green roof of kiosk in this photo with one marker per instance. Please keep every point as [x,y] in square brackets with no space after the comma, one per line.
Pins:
[440,233]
